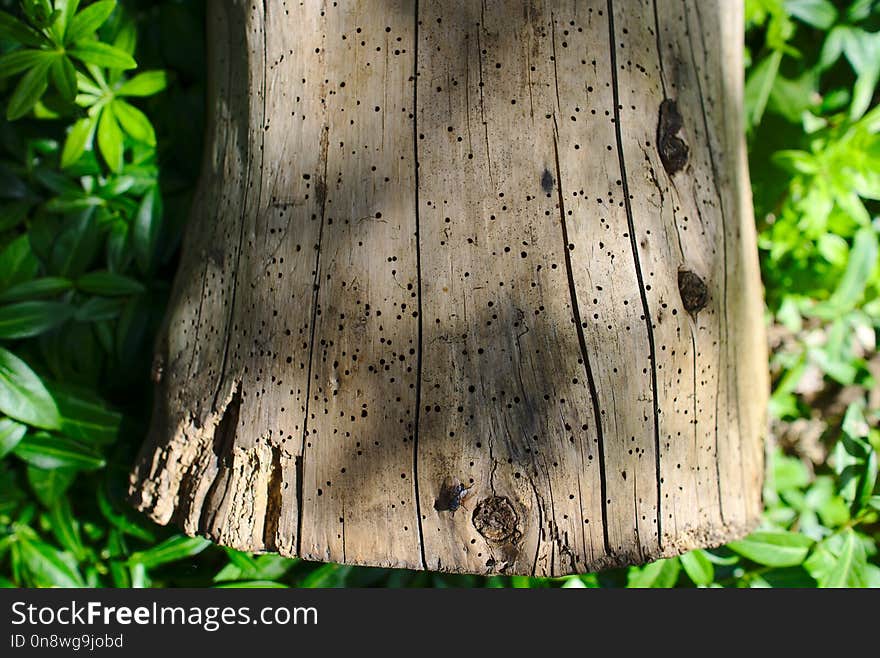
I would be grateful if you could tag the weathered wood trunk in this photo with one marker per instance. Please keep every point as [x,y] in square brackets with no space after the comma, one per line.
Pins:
[494,257]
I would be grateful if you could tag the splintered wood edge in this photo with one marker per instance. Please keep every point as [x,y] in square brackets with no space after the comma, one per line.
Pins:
[700,538]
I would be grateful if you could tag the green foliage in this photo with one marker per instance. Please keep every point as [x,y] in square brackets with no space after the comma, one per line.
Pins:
[89,228]
[84,269]
[56,40]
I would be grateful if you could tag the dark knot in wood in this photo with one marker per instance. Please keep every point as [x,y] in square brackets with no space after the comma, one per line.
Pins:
[495,519]
[547,181]
[672,148]
[694,292]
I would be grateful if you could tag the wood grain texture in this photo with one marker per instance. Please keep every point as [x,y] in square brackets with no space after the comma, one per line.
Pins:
[468,286]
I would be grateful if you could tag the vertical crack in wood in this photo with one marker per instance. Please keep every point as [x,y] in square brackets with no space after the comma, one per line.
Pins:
[694,419]
[235,272]
[415,115]
[198,320]
[555,62]
[659,49]
[321,191]
[244,206]
[731,363]
[273,501]
[582,342]
[636,261]
[222,444]
[540,527]
[694,328]
[299,471]
[481,27]
[342,523]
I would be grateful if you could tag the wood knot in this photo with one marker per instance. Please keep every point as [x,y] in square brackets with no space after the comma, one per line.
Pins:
[672,148]
[495,519]
[547,181]
[694,292]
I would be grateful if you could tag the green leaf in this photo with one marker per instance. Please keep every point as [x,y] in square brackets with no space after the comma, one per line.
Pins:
[328,575]
[832,48]
[242,566]
[45,450]
[144,84]
[834,249]
[40,12]
[251,584]
[110,139]
[126,36]
[121,521]
[11,494]
[796,161]
[11,433]
[108,284]
[792,97]
[241,562]
[774,548]
[26,319]
[48,567]
[87,21]
[86,418]
[22,60]
[48,286]
[859,10]
[821,14]
[134,122]
[119,252]
[698,567]
[102,54]
[17,262]
[851,289]
[99,309]
[862,262]
[77,245]
[863,91]
[789,472]
[64,78]
[659,574]
[845,570]
[23,395]
[273,567]
[13,29]
[66,11]
[50,484]
[758,87]
[147,225]
[29,90]
[14,213]
[77,141]
[861,48]
[66,529]
[787,577]
[176,548]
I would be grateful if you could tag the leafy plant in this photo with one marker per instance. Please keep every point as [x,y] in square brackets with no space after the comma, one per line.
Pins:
[78,286]
[56,40]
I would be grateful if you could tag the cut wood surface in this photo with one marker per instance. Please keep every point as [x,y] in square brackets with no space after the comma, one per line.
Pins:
[468,286]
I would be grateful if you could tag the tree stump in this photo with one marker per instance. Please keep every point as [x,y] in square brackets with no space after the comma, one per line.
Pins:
[468,287]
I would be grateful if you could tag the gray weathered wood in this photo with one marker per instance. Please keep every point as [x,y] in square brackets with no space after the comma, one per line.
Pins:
[554,319]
